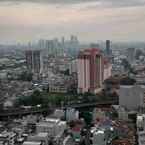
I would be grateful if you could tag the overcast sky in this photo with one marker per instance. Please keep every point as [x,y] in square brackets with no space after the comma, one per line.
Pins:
[90,20]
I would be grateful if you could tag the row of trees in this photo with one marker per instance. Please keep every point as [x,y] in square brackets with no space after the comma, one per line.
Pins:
[45,99]
[57,99]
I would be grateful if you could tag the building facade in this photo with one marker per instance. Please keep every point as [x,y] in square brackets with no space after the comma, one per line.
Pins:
[132,97]
[34,61]
[107,69]
[131,55]
[90,68]
[108,48]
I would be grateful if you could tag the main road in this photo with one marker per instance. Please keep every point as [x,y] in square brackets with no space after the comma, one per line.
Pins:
[94,104]
[21,112]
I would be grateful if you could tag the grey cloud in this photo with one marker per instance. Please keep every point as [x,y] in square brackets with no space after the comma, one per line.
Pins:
[106,3]
[122,3]
[50,1]
[125,24]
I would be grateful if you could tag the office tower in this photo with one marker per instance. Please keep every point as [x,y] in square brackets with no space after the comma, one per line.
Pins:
[55,46]
[90,70]
[63,45]
[131,55]
[52,46]
[34,61]
[94,45]
[63,41]
[108,48]
[107,68]
[29,60]
[49,47]
[41,44]
[73,66]
[74,43]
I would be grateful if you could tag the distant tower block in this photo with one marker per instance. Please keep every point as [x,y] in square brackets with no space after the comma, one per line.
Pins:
[108,47]
[34,61]
[131,55]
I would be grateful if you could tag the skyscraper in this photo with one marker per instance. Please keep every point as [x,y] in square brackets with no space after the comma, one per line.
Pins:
[73,45]
[131,55]
[90,70]
[108,49]
[63,45]
[29,60]
[41,44]
[49,47]
[34,61]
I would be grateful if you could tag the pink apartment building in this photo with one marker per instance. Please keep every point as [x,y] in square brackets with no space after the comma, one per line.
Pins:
[92,70]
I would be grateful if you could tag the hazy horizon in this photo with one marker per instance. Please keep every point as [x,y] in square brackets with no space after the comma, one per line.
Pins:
[90,20]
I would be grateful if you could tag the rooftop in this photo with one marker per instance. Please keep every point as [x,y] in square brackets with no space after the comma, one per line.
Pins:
[90,51]
[31,143]
[42,134]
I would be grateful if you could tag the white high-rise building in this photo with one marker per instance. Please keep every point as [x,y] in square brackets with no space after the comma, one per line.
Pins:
[73,67]
[107,69]
[140,123]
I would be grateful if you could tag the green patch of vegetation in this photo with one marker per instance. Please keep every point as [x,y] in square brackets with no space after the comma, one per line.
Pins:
[127,81]
[45,99]
[57,99]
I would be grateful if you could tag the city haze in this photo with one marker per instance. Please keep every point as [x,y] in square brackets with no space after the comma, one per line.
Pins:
[90,20]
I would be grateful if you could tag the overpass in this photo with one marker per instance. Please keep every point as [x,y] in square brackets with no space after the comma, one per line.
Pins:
[95,104]
[21,112]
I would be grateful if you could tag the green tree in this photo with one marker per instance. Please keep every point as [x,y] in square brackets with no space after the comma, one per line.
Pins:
[127,81]
[87,117]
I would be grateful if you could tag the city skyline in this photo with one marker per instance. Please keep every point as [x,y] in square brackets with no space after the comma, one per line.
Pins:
[90,20]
